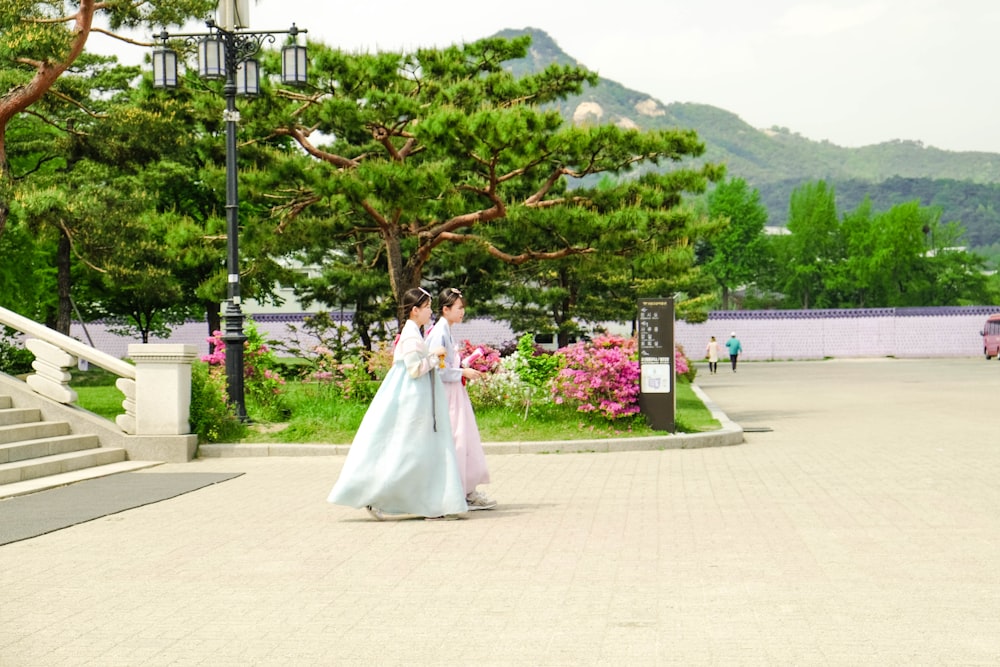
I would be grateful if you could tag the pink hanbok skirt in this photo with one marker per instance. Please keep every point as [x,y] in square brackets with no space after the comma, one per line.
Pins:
[468,446]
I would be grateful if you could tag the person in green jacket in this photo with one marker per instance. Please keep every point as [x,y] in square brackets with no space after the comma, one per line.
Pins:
[734,347]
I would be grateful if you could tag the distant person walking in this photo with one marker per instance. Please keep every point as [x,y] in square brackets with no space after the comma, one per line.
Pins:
[402,460]
[712,354]
[734,347]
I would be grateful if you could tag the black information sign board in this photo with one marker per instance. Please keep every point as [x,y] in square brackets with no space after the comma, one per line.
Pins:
[657,399]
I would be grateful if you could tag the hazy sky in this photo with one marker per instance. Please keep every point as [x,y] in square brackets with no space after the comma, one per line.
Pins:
[854,72]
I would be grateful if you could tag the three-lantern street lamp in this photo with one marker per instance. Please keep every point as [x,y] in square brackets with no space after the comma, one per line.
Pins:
[227,52]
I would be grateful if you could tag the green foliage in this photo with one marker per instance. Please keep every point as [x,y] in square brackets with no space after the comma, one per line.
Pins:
[22,271]
[328,354]
[973,203]
[212,418]
[317,417]
[101,193]
[535,369]
[14,358]
[809,251]
[94,376]
[262,381]
[441,149]
[900,257]
[690,414]
[521,380]
[263,384]
[737,253]
[101,399]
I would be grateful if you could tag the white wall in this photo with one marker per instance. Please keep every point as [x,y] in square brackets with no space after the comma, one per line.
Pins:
[883,332]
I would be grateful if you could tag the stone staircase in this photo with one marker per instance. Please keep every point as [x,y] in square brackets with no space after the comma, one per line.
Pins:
[37,455]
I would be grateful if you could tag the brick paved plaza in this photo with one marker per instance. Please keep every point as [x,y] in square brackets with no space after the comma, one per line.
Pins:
[859,524]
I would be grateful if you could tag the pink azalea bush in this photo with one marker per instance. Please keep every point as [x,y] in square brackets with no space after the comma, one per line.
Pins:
[262,380]
[683,367]
[600,376]
[484,364]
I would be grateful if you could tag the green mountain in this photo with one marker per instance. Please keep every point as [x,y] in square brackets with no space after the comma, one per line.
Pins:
[776,160]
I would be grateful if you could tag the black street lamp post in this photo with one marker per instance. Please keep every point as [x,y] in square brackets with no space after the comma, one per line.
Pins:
[227,53]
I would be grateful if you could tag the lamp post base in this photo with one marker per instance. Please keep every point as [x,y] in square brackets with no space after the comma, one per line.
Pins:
[235,340]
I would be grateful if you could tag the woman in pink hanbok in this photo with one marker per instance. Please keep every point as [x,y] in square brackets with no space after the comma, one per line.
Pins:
[468,446]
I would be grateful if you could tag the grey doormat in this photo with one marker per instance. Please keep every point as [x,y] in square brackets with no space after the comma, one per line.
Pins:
[35,514]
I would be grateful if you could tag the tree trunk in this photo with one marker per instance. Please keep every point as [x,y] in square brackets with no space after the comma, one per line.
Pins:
[4,179]
[213,316]
[402,276]
[725,298]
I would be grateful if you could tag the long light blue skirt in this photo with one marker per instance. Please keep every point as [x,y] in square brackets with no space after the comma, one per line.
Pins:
[402,460]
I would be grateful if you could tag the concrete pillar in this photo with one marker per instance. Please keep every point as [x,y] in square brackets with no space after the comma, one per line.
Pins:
[162,388]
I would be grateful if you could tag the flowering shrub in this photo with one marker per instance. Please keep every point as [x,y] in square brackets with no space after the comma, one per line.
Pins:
[683,367]
[484,364]
[600,376]
[380,360]
[321,330]
[357,377]
[212,418]
[262,382]
[324,365]
[517,380]
[500,388]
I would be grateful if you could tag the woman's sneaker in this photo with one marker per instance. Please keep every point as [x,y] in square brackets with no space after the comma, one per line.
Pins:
[478,501]
[375,512]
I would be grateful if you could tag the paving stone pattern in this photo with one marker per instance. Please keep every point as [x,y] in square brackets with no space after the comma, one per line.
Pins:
[862,529]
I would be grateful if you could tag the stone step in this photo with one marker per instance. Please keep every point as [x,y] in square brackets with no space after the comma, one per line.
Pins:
[31,449]
[10,416]
[19,471]
[6,402]
[33,431]
[63,479]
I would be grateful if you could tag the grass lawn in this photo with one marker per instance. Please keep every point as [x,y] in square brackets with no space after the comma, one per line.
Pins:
[319,417]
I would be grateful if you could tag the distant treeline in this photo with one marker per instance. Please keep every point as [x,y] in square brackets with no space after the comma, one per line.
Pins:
[975,205]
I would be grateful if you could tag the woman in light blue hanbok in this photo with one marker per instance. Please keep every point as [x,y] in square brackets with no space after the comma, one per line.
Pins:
[402,460]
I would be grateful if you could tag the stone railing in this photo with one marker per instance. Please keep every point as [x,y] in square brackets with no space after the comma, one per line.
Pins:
[156,389]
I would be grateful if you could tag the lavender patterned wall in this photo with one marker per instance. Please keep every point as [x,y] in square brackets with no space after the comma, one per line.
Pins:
[765,335]
[815,334]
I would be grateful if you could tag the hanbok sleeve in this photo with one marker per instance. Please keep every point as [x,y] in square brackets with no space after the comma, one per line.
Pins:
[440,335]
[413,352]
